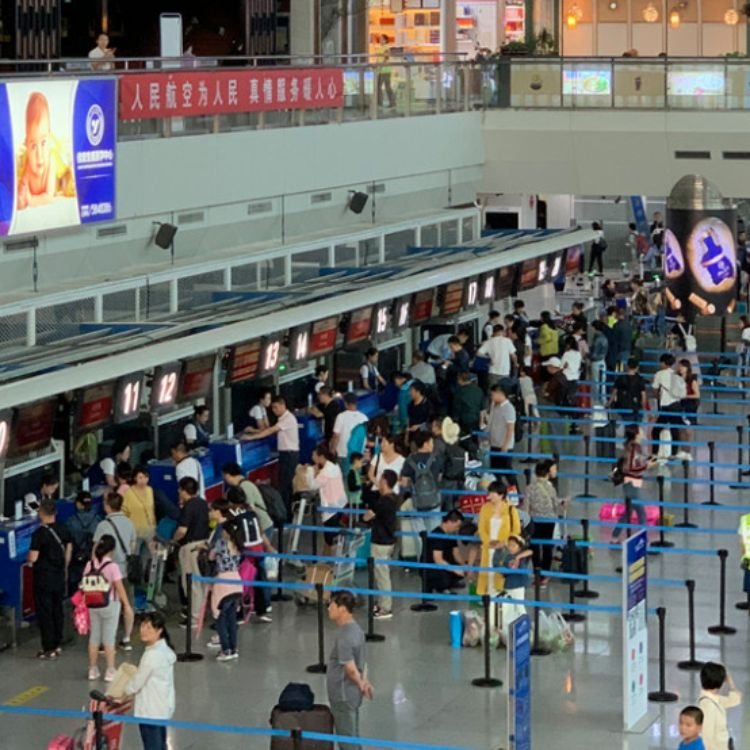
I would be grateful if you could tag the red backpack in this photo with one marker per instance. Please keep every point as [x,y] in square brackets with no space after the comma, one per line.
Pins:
[95,587]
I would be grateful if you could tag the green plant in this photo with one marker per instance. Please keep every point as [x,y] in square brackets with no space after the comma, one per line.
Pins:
[515,48]
[545,43]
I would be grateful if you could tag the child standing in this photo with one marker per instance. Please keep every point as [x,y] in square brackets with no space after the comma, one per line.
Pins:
[354,481]
[714,705]
[691,724]
[516,556]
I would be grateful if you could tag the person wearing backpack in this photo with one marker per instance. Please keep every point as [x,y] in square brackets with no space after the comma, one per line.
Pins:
[420,480]
[670,391]
[49,555]
[629,393]
[343,427]
[81,526]
[105,596]
[454,461]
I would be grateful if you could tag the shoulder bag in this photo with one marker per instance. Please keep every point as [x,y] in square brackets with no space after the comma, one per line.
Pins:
[133,565]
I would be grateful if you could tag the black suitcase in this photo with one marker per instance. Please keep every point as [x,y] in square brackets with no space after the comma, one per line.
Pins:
[318,719]
[605,448]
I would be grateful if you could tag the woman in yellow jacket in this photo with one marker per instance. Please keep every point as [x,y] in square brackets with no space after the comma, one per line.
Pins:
[138,505]
[497,521]
[549,339]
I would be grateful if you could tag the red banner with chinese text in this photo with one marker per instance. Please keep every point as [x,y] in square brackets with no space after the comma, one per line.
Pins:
[211,92]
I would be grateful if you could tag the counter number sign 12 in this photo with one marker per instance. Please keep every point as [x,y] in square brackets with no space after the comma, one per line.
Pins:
[165,386]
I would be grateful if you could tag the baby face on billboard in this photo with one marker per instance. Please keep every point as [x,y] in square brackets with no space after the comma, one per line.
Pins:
[36,184]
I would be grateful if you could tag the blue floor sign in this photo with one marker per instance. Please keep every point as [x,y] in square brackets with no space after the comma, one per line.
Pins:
[519,684]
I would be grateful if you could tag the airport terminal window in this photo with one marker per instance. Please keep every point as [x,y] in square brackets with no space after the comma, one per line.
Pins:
[397,244]
[307,265]
[449,233]
[430,235]
[468,229]
[369,252]
[346,255]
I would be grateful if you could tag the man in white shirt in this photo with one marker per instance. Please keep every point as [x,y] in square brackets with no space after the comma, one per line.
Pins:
[287,431]
[423,372]
[102,52]
[196,432]
[501,424]
[501,352]
[187,466]
[120,453]
[670,389]
[343,426]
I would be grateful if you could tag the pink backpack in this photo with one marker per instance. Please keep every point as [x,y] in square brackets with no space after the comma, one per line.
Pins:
[613,511]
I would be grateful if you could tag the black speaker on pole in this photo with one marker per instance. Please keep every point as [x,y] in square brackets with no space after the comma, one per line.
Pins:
[165,235]
[357,202]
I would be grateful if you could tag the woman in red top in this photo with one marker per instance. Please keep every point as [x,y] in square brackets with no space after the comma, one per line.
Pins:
[634,465]
[690,403]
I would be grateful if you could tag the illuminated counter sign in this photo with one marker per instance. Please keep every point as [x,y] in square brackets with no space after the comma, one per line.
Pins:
[270,356]
[5,423]
[299,344]
[32,427]
[382,324]
[471,293]
[529,274]
[128,397]
[487,284]
[360,324]
[402,315]
[165,387]
[95,407]
[197,376]
[452,297]
[422,309]
[244,362]
[323,337]
[506,281]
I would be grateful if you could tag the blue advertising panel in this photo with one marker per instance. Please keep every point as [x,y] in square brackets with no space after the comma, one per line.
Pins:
[634,630]
[638,207]
[519,684]
[57,154]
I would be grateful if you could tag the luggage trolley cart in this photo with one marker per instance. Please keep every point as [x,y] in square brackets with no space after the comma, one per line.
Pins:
[98,734]
[160,549]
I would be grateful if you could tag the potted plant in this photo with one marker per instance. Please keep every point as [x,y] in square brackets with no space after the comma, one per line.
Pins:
[514,49]
[545,44]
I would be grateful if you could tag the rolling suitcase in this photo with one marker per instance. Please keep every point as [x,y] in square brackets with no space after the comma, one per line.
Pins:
[318,719]
[606,445]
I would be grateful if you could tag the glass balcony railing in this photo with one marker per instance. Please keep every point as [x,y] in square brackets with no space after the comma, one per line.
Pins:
[437,84]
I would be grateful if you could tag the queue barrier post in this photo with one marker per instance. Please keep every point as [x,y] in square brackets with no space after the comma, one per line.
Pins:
[740,438]
[722,628]
[662,695]
[488,680]
[320,666]
[746,473]
[691,664]
[280,596]
[537,649]
[685,500]
[661,542]
[424,605]
[371,635]
[586,592]
[711,474]
[188,656]
[571,615]
[315,522]
[586,452]
[529,449]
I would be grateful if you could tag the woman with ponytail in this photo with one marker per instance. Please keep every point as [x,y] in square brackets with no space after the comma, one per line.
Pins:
[153,683]
[100,573]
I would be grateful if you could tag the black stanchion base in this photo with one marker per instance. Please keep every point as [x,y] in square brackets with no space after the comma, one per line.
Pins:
[527,461]
[658,545]
[690,665]
[587,594]
[540,651]
[574,616]
[663,696]
[423,607]
[281,597]
[316,669]
[710,502]
[687,525]
[374,637]
[188,658]
[738,486]
[744,606]
[584,498]
[487,682]
[722,630]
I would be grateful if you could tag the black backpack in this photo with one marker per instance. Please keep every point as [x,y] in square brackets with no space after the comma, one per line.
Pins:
[275,506]
[453,469]
[296,696]
[82,550]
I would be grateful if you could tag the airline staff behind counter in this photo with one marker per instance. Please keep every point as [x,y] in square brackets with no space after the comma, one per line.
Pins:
[196,432]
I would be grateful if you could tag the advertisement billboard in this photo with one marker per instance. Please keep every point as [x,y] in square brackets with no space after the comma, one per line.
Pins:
[57,154]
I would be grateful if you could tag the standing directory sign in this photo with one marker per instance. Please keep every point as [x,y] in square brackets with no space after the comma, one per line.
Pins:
[634,630]
[519,684]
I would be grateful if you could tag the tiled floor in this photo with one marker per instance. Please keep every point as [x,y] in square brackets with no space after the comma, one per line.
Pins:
[423,687]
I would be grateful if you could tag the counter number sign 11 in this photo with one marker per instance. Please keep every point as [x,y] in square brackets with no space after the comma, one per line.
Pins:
[129,393]
[5,420]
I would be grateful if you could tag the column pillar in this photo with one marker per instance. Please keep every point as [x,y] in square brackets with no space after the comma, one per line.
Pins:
[448,42]
[303,28]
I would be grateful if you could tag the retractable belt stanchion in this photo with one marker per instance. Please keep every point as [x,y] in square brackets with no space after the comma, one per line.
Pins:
[746,473]
[316,523]
[691,664]
[662,695]
[587,452]
[424,605]
[280,596]
[661,542]
[320,667]
[529,449]
[711,474]
[740,434]
[722,628]
[586,592]
[371,635]
[487,680]
[685,500]
[187,655]
[536,648]
[571,615]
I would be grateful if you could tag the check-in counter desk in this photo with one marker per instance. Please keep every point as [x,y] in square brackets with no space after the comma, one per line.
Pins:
[164,476]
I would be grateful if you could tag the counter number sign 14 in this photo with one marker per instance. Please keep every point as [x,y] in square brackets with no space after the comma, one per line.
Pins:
[301,346]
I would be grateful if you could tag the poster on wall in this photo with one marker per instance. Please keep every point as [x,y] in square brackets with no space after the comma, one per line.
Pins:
[57,154]
[587,81]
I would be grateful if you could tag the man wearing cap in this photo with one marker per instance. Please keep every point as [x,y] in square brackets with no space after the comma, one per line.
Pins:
[454,460]
[501,424]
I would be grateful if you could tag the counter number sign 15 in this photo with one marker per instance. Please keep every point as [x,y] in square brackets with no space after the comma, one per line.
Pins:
[381,324]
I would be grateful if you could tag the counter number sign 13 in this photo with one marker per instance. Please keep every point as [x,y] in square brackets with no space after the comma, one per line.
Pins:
[270,356]
[5,420]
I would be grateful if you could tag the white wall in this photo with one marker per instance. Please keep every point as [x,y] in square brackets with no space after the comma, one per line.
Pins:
[595,152]
[218,177]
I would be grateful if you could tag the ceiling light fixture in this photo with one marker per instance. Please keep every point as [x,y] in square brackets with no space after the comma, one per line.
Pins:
[650,13]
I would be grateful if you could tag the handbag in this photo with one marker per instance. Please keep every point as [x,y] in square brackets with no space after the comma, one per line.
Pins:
[206,566]
[133,565]
[617,475]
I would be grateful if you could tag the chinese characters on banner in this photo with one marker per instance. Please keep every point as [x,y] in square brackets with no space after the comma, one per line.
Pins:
[212,92]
